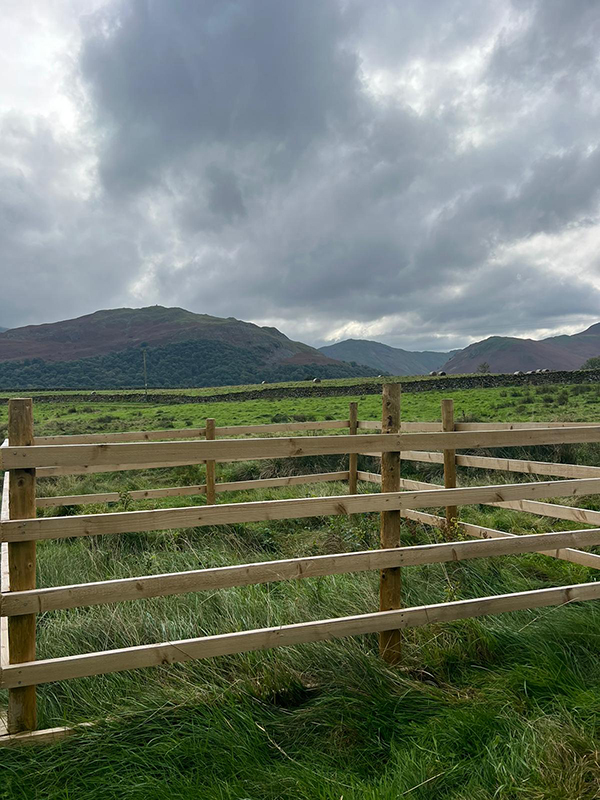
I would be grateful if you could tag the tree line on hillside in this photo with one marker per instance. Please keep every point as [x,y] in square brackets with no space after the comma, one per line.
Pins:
[184,364]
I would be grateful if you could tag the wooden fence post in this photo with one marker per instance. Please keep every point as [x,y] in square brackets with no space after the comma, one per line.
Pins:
[211,492]
[449,461]
[22,714]
[390,579]
[353,457]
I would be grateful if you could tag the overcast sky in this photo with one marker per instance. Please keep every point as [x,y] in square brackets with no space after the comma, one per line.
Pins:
[420,172]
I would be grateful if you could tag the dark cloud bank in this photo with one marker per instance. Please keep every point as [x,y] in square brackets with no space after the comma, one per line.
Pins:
[421,173]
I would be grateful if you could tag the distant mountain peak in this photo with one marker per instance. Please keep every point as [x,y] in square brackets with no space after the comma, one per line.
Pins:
[384,357]
[594,329]
[183,349]
[500,353]
[107,330]
[191,340]
[510,353]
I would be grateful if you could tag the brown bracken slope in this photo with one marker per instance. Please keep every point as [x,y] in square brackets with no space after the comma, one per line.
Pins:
[506,354]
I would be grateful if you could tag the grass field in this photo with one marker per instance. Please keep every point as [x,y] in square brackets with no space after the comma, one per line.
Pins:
[564,402]
[501,707]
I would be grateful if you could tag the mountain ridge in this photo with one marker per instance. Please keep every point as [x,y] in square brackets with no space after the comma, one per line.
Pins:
[384,357]
[501,353]
[107,330]
[509,353]
[104,350]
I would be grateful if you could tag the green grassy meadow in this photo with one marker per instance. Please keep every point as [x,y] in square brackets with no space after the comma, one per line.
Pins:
[554,402]
[498,707]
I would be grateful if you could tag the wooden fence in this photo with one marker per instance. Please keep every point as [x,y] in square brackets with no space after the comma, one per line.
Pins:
[26,458]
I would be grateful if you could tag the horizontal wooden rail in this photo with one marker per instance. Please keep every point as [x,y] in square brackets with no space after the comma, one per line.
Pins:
[565,554]
[543,509]
[189,433]
[39,600]
[553,510]
[44,736]
[91,469]
[174,434]
[518,426]
[297,508]
[123,436]
[528,467]
[184,491]
[322,425]
[374,425]
[479,531]
[68,667]
[477,426]
[422,427]
[369,477]
[139,455]
[508,465]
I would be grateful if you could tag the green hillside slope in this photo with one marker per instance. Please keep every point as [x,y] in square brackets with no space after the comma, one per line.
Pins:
[105,351]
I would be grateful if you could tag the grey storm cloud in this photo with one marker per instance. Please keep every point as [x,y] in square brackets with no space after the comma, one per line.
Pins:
[423,173]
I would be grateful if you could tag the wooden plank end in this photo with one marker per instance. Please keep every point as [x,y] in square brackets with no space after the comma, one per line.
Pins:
[45,736]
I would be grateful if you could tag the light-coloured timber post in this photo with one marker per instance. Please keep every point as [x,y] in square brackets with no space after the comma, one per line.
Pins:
[449,461]
[211,492]
[390,579]
[21,565]
[353,457]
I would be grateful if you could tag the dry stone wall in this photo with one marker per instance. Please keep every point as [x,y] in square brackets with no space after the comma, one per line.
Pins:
[447,383]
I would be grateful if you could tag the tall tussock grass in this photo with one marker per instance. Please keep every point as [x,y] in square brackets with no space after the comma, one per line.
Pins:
[497,707]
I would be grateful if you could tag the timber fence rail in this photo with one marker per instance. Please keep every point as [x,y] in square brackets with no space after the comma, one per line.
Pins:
[25,458]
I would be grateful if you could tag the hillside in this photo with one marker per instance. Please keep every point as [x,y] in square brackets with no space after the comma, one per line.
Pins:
[104,350]
[124,328]
[507,354]
[502,353]
[384,358]
[583,345]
